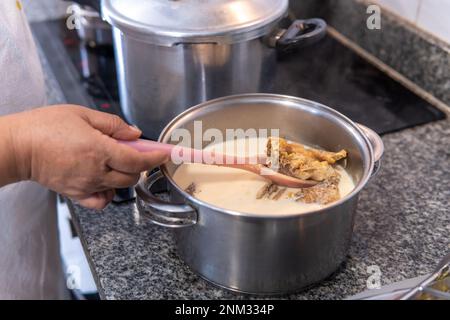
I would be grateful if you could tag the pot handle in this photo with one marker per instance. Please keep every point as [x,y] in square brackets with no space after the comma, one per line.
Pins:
[302,33]
[158,211]
[377,146]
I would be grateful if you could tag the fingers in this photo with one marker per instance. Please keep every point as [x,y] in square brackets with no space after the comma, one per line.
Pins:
[112,125]
[120,157]
[115,179]
[97,201]
[127,160]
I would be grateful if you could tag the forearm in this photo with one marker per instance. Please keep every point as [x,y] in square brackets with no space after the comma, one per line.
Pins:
[13,166]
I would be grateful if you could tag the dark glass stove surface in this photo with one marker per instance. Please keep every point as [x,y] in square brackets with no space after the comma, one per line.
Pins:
[327,72]
[334,75]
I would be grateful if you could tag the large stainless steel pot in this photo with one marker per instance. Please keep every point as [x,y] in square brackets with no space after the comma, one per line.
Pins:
[264,254]
[175,54]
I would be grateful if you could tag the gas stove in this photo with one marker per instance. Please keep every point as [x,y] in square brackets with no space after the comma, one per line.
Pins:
[327,72]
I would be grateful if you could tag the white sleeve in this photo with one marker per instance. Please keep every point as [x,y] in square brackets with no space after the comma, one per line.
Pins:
[21,80]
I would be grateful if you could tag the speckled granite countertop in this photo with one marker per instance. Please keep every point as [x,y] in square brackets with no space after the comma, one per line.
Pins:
[402,226]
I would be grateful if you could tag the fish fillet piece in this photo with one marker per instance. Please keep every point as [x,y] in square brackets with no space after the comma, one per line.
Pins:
[270,191]
[323,193]
[304,163]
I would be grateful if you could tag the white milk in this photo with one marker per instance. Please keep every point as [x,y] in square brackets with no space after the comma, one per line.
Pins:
[235,189]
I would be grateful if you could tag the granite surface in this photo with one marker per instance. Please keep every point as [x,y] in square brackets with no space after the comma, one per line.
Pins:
[416,54]
[402,226]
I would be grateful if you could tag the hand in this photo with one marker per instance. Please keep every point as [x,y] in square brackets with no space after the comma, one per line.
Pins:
[71,150]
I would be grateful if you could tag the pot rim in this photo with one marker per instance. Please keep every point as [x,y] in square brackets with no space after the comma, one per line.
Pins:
[368,169]
[164,36]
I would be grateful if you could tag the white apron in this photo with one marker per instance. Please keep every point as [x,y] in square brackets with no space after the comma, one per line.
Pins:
[30,266]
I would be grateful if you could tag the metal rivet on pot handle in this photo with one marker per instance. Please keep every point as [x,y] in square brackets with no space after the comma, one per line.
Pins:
[377,145]
[302,33]
[159,211]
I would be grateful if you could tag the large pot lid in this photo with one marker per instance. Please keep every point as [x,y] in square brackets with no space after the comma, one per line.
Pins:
[168,22]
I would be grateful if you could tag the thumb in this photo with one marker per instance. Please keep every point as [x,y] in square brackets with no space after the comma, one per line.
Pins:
[112,125]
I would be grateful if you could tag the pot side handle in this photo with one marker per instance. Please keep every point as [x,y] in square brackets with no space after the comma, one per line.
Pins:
[158,211]
[377,146]
[302,33]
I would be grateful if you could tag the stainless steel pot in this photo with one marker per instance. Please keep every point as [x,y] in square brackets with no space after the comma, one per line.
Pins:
[263,254]
[176,54]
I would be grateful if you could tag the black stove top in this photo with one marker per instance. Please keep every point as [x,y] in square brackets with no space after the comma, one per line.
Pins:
[327,72]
